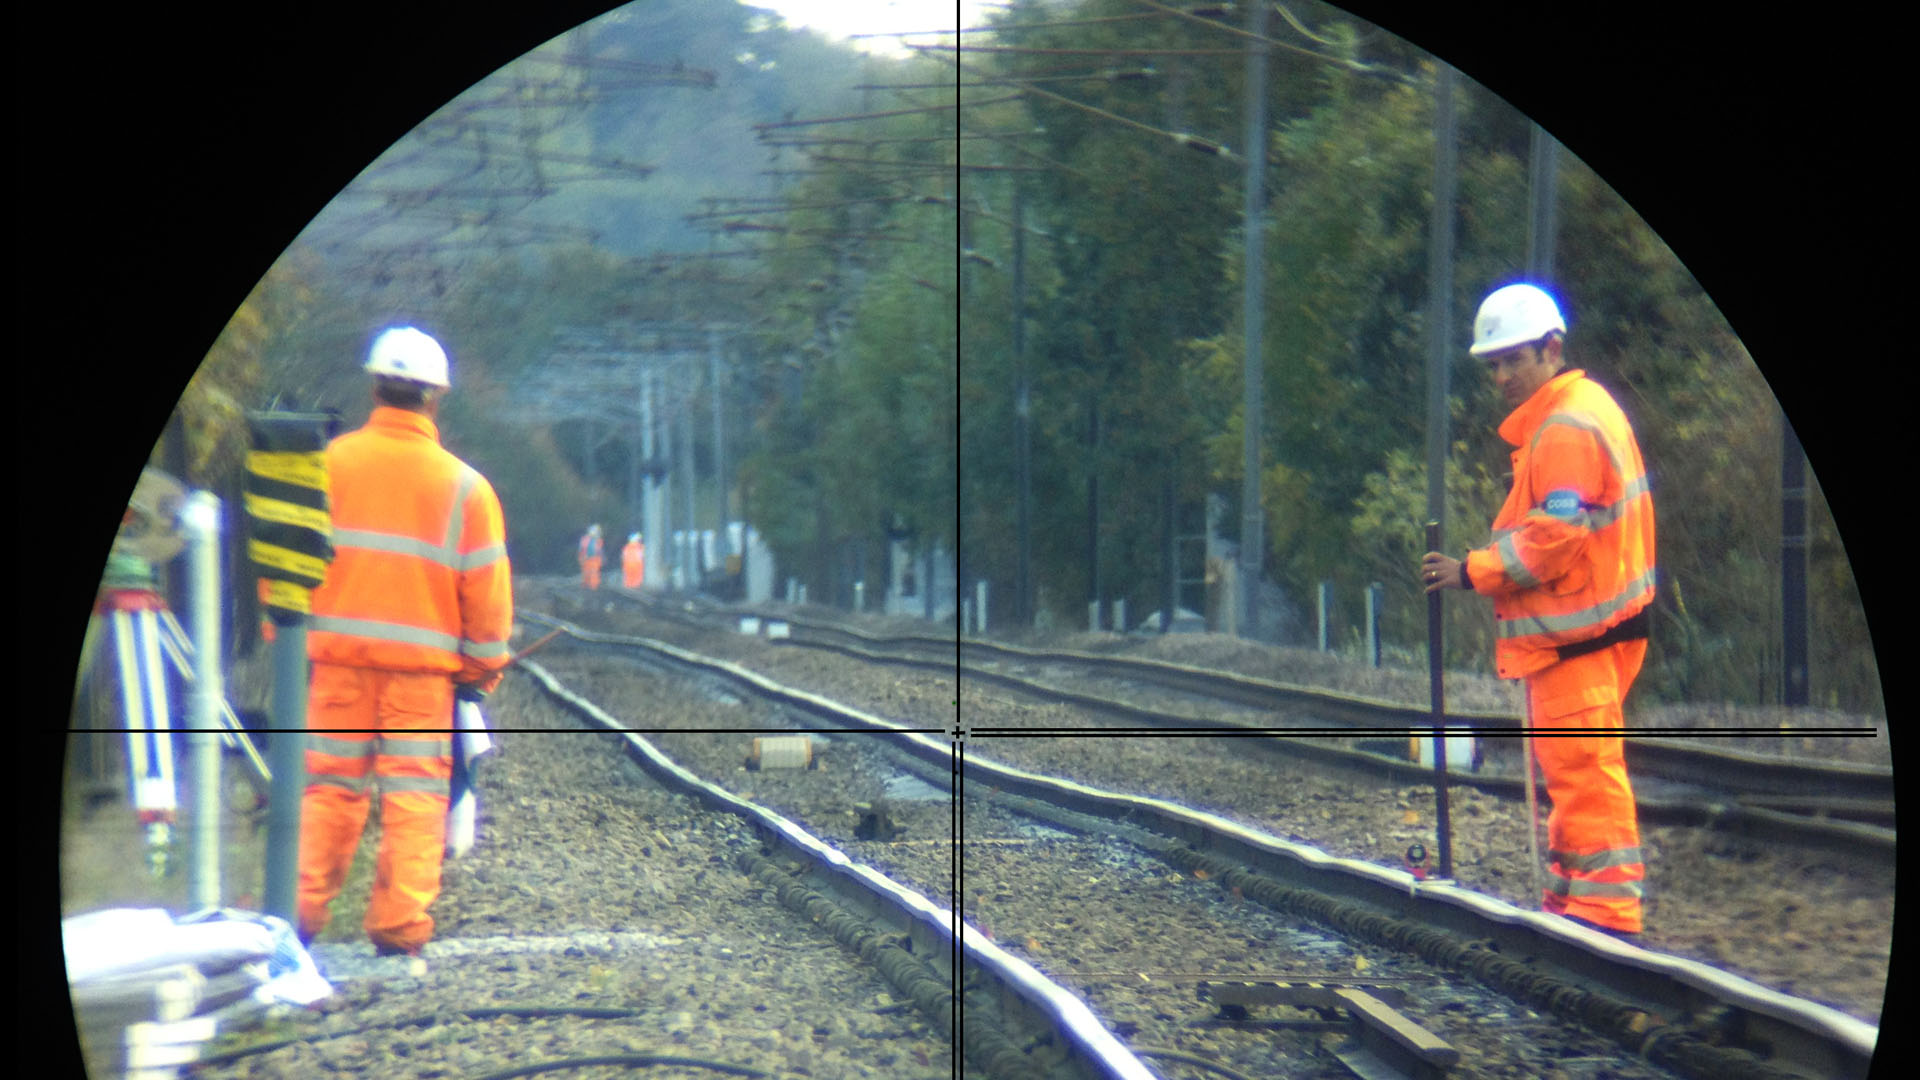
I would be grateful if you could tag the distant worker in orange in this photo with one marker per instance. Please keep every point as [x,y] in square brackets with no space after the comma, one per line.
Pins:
[1571,575]
[413,616]
[633,562]
[592,549]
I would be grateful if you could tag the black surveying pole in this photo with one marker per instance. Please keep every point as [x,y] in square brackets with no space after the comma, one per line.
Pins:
[1442,819]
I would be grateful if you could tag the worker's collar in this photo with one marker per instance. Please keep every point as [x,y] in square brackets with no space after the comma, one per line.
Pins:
[1519,424]
[386,416]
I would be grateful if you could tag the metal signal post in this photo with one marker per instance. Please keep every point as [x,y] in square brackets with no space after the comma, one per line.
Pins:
[1442,818]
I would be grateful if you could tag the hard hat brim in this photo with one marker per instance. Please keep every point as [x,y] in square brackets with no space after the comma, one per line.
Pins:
[1485,348]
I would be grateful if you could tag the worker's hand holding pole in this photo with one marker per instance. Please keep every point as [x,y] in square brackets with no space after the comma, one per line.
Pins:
[1435,575]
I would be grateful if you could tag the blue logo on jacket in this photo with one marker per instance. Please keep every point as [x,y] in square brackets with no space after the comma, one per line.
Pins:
[1564,505]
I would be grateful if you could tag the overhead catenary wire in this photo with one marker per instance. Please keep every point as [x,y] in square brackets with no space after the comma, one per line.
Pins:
[921,166]
[1352,65]
[1248,34]
[1002,28]
[868,116]
[799,206]
[1002,139]
[1077,52]
[1193,142]
[1105,74]
[846,139]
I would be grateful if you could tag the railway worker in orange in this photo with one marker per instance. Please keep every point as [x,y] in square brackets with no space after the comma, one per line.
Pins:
[633,562]
[413,616]
[592,550]
[1570,572]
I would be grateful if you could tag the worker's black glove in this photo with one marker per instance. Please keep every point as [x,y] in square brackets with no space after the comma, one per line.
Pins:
[469,692]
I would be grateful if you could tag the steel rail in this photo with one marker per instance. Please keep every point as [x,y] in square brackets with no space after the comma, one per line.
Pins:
[1781,808]
[938,936]
[1782,1032]
[1815,823]
[1847,788]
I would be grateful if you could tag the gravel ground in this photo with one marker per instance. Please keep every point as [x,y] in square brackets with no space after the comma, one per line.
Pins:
[1798,923]
[530,918]
[1094,914]
[592,886]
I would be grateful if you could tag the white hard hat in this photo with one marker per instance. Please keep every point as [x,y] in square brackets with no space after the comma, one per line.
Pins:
[403,352]
[634,539]
[1514,315]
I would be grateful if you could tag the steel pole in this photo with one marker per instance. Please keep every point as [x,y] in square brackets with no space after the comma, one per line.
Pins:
[655,536]
[202,518]
[694,552]
[1252,543]
[1022,409]
[286,757]
[723,546]
[1443,822]
[1543,189]
[1440,295]
[1793,568]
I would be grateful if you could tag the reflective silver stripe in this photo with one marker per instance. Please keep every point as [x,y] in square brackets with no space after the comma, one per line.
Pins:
[338,746]
[393,746]
[1607,515]
[1525,625]
[385,631]
[484,650]
[1580,518]
[1583,422]
[446,553]
[486,556]
[430,785]
[1563,886]
[457,521]
[1599,860]
[1510,562]
[357,785]
[368,540]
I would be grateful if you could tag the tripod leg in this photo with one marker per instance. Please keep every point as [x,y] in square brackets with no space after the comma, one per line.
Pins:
[149,749]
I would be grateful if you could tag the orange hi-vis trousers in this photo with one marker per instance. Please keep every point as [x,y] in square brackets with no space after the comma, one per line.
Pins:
[590,572]
[355,718]
[1594,867]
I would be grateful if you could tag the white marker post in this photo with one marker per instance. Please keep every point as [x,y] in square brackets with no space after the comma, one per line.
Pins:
[201,515]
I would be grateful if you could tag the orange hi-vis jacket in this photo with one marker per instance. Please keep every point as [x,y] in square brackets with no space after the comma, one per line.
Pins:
[420,580]
[633,564]
[1572,551]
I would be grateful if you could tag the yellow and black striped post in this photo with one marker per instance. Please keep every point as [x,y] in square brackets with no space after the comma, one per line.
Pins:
[290,534]
[290,543]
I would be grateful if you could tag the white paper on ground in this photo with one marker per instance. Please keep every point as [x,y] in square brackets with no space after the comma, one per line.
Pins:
[291,976]
[120,941]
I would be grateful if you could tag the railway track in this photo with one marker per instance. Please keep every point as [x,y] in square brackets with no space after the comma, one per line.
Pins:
[603,922]
[1179,851]
[1845,809]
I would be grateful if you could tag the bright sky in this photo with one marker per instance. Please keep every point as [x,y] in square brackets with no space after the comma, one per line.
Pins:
[840,18]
